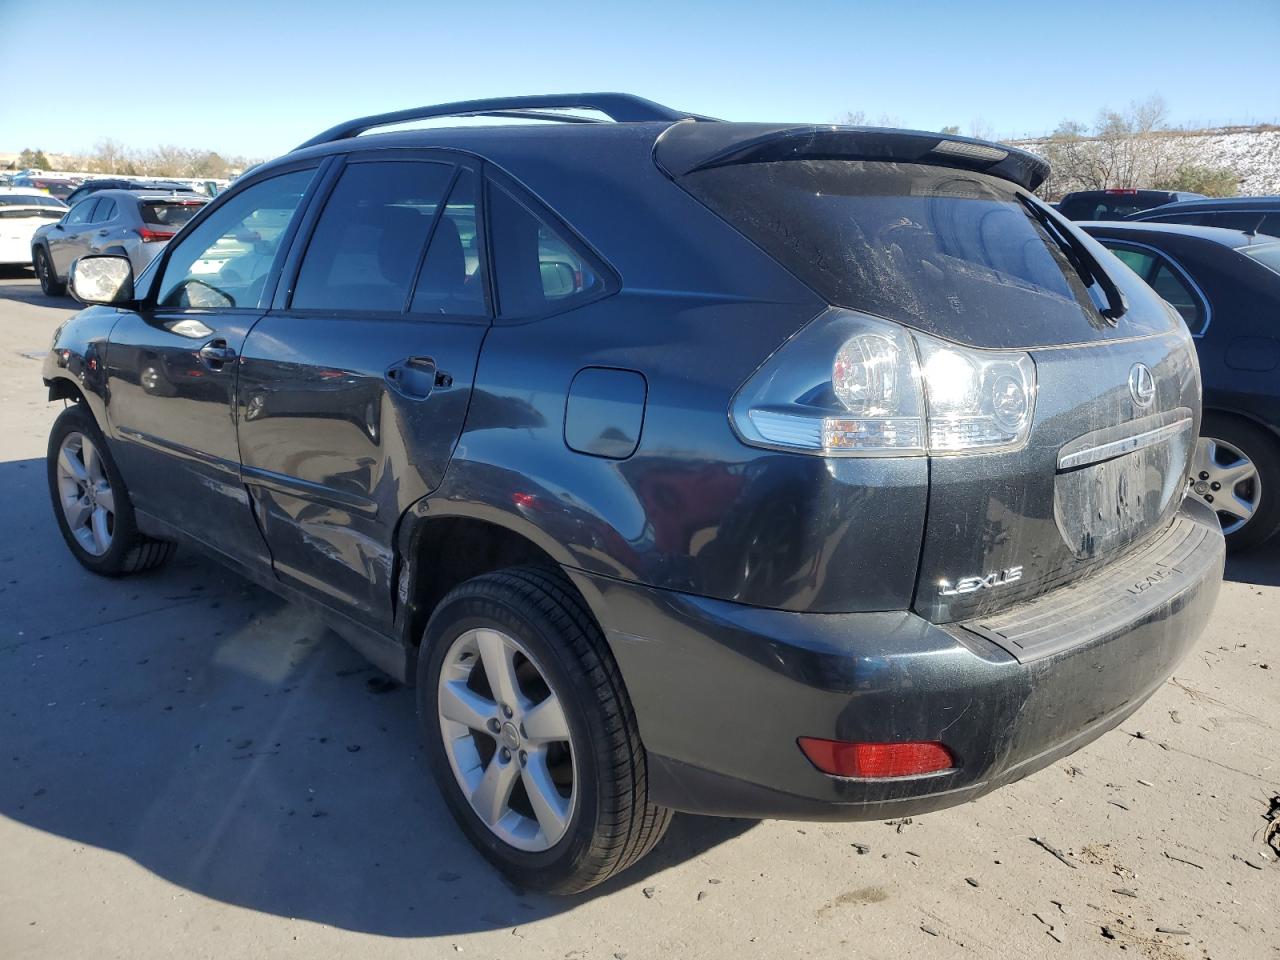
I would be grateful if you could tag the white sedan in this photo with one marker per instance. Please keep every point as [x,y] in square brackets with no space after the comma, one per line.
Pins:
[22,210]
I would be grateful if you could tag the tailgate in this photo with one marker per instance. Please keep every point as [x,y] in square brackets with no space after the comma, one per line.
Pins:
[1101,474]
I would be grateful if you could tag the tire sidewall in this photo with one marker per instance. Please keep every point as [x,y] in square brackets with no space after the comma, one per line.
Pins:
[75,419]
[1263,450]
[47,282]
[454,617]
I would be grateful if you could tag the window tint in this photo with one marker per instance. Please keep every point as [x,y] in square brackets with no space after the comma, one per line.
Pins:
[955,254]
[32,200]
[81,212]
[535,268]
[368,241]
[225,261]
[1140,263]
[451,281]
[169,213]
[1174,289]
[106,211]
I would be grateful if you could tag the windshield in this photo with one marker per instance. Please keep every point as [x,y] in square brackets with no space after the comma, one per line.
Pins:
[31,200]
[169,213]
[953,253]
[1267,254]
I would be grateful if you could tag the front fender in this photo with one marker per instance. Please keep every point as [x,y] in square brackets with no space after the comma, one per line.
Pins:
[76,361]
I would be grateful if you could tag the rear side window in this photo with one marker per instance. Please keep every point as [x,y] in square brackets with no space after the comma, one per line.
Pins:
[105,211]
[537,270]
[451,281]
[1167,282]
[165,213]
[369,240]
[1137,261]
[955,254]
[1174,289]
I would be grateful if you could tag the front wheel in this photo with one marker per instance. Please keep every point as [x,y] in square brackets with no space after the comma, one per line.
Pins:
[43,266]
[531,735]
[1236,471]
[91,502]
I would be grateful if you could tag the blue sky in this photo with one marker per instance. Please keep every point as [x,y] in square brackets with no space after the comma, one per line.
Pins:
[258,77]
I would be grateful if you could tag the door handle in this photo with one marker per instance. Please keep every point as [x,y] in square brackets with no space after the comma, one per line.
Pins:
[416,377]
[103,233]
[215,353]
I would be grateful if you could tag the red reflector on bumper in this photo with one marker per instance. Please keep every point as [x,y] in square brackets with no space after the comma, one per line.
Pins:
[876,760]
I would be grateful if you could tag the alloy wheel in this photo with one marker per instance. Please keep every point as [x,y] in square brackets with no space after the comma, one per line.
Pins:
[1224,477]
[507,739]
[85,494]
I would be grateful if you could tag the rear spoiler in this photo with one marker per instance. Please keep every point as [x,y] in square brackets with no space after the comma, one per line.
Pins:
[687,146]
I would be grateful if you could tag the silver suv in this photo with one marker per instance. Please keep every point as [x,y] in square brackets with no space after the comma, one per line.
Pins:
[125,223]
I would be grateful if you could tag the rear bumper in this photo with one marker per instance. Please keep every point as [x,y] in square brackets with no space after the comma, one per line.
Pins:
[721,690]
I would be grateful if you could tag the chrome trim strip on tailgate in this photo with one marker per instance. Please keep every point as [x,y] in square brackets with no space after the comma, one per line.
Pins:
[1116,448]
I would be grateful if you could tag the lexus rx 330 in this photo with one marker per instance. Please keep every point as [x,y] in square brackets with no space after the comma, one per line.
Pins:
[751,469]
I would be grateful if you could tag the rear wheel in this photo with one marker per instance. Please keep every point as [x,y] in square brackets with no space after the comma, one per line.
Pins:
[91,502]
[43,266]
[531,734]
[1236,471]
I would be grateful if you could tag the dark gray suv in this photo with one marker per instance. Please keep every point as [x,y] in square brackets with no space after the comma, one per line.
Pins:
[748,469]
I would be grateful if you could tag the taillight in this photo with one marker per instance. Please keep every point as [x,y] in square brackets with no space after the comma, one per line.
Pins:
[850,385]
[877,761]
[150,236]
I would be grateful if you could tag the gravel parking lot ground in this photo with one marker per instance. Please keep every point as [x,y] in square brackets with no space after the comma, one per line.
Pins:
[190,767]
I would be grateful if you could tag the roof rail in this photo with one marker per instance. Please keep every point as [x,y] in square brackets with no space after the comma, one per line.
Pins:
[620,107]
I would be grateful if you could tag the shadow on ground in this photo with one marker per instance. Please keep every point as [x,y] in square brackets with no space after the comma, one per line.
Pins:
[230,744]
[1260,566]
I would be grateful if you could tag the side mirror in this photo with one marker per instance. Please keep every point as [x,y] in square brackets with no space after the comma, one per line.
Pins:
[101,280]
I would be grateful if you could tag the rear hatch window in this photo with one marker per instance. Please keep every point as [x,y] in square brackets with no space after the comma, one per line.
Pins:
[953,253]
[30,213]
[169,213]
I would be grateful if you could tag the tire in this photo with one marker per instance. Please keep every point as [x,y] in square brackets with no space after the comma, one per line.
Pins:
[106,543]
[46,274]
[610,822]
[1226,442]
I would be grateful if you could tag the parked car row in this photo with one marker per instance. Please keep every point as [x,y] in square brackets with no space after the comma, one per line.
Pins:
[131,223]
[1255,215]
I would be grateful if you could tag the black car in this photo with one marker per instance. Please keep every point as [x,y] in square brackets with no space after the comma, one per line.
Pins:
[1257,215]
[1226,286]
[149,186]
[737,468]
[1116,203]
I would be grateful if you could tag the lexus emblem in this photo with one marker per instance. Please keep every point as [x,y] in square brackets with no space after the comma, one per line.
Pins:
[1142,384]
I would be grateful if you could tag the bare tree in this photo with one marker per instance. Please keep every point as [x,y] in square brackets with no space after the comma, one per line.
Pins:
[1126,149]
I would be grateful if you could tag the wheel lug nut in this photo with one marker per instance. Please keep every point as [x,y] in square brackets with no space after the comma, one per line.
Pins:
[1215,485]
[524,758]
[505,754]
[1203,475]
[507,711]
[1208,497]
[494,725]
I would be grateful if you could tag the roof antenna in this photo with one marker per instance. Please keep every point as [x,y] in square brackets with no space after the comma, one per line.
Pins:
[1252,232]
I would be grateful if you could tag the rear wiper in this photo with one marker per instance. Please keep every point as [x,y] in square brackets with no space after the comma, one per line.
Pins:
[1081,259]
